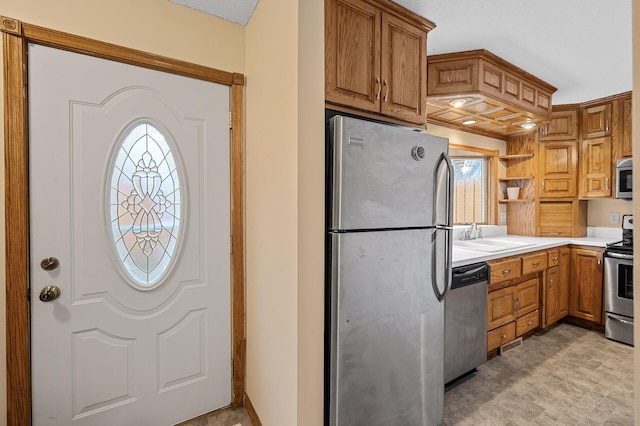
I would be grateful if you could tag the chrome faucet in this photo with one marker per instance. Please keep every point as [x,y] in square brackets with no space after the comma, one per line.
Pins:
[469,232]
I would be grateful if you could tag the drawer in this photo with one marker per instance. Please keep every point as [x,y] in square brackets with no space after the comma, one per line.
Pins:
[506,270]
[500,336]
[553,258]
[534,263]
[527,323]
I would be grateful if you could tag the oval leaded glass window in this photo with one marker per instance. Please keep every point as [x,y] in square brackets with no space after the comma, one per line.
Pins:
[145,209]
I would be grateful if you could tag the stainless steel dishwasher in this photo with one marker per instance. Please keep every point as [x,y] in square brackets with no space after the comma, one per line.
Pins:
[465,321]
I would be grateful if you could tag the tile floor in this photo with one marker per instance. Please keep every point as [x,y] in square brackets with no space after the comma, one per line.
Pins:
[227,417]
[566,376]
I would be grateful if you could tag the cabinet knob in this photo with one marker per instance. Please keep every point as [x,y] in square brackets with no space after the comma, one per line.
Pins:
[555,259]
[506,272]
[504,336]
[529,323]
[535,265]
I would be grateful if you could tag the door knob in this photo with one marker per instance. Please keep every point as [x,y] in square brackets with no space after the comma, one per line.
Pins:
[49,293]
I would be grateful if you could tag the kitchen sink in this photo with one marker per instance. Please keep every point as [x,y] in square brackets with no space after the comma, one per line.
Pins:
[490,244]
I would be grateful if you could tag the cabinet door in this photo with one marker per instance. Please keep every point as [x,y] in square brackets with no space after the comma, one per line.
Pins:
[527,296]
[563,126]
[626,128]
[564,272]
[595,168]
[556,219]
[352,54]
[585,289]
[558,169]
[596,121]
[552,297]
[501,307]
[404,70]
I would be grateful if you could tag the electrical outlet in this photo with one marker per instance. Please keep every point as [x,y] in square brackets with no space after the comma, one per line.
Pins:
[614,218]
[503,217]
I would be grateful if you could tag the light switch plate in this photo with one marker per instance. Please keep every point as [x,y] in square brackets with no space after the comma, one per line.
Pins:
[614,218]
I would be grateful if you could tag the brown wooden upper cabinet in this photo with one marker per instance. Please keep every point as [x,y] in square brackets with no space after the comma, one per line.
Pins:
[626,128]
[375,58]
[563,126]
[595,168]
[596,121]
[558,168]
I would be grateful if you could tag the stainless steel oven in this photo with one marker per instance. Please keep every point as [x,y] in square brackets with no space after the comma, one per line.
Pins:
[618,286]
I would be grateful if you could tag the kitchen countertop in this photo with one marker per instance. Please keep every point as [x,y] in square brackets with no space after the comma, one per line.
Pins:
[462,256]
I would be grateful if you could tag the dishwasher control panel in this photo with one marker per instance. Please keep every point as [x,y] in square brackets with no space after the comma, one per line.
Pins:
[469,274]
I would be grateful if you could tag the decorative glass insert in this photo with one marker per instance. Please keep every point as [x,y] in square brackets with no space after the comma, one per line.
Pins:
[144,199]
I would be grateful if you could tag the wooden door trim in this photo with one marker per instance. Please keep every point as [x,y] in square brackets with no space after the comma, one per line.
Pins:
[15,38]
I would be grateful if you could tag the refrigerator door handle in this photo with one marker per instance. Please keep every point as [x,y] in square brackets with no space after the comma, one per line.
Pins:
[447,228]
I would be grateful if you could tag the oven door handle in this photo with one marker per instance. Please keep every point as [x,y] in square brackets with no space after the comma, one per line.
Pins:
[619,255]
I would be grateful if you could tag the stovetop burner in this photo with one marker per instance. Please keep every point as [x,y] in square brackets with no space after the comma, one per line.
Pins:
[626,244]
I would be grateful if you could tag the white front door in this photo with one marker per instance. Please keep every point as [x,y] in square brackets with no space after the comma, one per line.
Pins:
[130,192]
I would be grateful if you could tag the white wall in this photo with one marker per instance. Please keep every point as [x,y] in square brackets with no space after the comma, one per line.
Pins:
[272,210]
[310,212]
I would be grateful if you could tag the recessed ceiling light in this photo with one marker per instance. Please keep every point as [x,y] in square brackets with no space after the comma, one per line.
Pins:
[457,103]
[528,125]
[469,122]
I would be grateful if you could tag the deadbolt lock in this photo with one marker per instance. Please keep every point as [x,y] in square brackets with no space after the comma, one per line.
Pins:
[49,263]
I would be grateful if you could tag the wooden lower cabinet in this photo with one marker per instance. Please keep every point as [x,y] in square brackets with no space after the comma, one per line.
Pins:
[555,293]
[564,276]
[501,307]
[527,323]
[512,311]
[500,336]
[586,286]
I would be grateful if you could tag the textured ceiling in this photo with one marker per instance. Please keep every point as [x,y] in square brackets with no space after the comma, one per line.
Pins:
[238,11]
[582,47]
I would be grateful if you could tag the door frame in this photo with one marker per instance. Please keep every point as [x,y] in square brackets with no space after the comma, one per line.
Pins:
[15,38]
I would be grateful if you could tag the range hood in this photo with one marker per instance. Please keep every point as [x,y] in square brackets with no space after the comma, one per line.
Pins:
[477,91]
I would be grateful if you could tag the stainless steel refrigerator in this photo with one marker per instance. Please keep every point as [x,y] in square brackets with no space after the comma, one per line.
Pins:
[389,267]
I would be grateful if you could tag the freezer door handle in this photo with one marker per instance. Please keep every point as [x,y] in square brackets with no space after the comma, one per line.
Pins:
[447,227]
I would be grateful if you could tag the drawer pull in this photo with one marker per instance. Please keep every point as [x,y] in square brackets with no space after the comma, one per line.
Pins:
[535,265]
[555,259]
[506,272]
[529,323]
[504,336]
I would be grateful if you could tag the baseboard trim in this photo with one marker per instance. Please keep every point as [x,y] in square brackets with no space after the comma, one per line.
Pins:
[251,412]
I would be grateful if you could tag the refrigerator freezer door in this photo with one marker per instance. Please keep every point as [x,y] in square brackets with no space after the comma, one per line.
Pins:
[382,175]
[387,331]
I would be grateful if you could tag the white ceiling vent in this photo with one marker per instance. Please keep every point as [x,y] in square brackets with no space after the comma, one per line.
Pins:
[238,11]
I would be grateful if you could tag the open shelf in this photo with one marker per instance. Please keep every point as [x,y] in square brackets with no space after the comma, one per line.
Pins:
[506,179]
[519,200]
[515,157]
